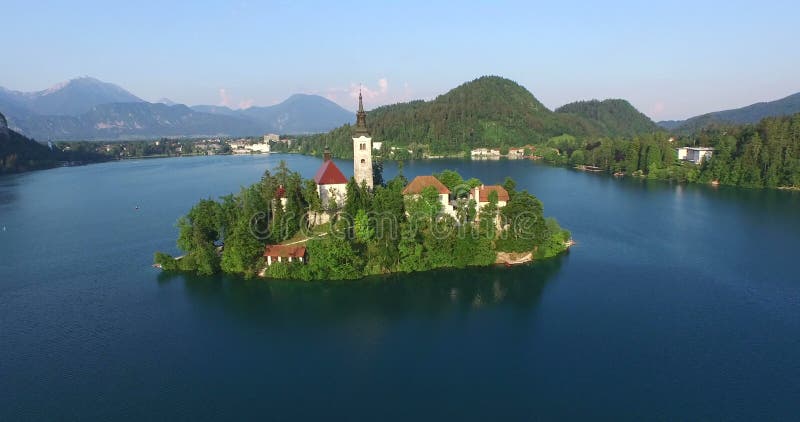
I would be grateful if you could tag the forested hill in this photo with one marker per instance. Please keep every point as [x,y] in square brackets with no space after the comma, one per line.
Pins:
[617,117]
[19,153]
[487,112]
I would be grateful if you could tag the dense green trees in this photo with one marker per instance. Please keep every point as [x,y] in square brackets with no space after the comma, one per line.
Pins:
[377,232]
[762,155]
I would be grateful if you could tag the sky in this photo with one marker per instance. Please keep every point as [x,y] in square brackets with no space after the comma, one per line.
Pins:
[671,60]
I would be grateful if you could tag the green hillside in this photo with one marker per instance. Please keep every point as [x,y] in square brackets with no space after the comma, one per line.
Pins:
[18,153]
[487,112]
[616,116]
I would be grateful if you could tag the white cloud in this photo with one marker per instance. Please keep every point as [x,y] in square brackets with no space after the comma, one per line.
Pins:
[226,100]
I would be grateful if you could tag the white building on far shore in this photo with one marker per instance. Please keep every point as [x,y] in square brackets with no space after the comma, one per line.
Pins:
[695,154]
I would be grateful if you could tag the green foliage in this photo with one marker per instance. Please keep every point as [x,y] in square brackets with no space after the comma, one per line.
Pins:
[166,261]
[451,179]
[525,219]
[617,117]
[554,240]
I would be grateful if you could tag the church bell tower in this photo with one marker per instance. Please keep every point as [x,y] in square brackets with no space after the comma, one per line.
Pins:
[362,148]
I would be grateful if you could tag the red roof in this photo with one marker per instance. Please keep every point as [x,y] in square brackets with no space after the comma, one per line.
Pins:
[329,174]
[421,182]
[484,191]
[285,251]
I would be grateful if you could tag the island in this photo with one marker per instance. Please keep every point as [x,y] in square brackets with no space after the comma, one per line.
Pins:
[334,228]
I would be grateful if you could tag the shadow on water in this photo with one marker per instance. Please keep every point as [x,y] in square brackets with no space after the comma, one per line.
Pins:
[427,295]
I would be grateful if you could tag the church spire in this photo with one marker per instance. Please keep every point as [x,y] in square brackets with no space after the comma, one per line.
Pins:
[361,117]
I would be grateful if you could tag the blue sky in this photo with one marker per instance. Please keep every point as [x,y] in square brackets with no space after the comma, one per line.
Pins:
[670,59]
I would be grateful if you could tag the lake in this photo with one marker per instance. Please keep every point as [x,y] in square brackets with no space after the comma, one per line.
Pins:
[678,302]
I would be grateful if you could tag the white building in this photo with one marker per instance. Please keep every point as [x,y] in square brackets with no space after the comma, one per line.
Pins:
[271,137]
[485,152]
[262,147]
[695,154]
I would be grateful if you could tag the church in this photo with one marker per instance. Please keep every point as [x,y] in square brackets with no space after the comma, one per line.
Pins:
[331,182]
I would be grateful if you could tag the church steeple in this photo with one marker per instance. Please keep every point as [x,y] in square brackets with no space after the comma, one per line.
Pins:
[326,155]
[362,147]
[361,118]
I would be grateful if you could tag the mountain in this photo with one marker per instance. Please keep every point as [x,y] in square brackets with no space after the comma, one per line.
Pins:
[135,120]
[488,111]
[89,109]
[300,113]
[616,116]
[71,98]
[745,115]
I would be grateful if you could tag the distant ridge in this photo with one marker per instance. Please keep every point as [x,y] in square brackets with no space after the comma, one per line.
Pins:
[70,98]
[744,115]
[89,109]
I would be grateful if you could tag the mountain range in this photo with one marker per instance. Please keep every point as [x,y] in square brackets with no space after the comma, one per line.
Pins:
[90,109]
[744,115]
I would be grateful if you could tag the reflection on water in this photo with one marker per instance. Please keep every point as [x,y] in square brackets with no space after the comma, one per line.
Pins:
[428,294]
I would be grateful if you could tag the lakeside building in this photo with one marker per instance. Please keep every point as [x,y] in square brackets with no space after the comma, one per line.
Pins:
[515,153]
[485,152]
[284,253]
[481,197]
[695,154]
[243,146]
[262,147]
[415,188]
[271,137]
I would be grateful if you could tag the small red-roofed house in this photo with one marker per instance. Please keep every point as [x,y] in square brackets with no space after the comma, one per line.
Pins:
[284,253]
[415,188]
[481,197]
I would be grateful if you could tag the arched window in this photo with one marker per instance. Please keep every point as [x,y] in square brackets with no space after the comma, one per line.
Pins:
[363,147]
[362,161]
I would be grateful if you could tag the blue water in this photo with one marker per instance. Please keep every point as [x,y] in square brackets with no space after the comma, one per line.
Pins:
[678,302]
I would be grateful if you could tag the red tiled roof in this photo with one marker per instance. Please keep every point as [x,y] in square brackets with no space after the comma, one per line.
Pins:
[329,174]
[285,251]
[421,182]
[484,191]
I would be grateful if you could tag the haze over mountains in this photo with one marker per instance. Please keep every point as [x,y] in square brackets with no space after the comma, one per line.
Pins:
[89,109]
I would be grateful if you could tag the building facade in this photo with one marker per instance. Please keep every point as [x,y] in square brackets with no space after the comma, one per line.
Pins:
[695,154]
